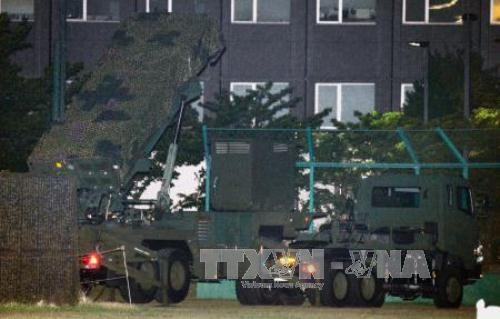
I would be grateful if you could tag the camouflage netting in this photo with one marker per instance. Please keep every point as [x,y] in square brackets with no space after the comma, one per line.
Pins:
[130,93]
[38,239]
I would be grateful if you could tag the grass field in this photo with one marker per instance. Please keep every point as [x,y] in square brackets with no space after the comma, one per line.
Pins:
[487,288]
[207,309]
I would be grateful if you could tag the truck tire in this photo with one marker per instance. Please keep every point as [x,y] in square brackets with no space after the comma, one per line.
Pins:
[311,295]
[314,297]
[138,293]
[179,274]
[100,292]
[371,292]
[247,296]
[337,290]
[449,288]
[269,296]
[291,297]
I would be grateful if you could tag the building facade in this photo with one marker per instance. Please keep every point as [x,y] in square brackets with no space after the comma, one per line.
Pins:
[341,54]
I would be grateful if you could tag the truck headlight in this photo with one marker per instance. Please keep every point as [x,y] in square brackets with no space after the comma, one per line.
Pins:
[478,253]
[287,261]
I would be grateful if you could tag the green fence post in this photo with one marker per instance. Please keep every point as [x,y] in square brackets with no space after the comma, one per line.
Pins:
[409,148]
[208,164]
[455,151]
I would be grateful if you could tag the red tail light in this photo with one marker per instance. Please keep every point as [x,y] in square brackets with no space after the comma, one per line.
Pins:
[91,261]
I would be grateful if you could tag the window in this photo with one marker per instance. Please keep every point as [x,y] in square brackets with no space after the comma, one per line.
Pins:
[260,11]
[343,99]
[93,10]
[353,11]
[241,88]
[464,199]
[155,6]
[406,88]
[74,9]
[197,104]
[402,197]
[495,11]
[432,11]
[18,10]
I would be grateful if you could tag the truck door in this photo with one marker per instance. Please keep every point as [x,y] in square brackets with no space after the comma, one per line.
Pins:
[461,230]
[231,175]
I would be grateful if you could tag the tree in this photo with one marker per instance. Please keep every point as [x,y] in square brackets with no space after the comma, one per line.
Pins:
[24,102]
[446,111]
[347,145]
[446,87]
[23,107]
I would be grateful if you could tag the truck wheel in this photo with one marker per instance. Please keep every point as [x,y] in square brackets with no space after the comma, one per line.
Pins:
[179,274]
[99,292]
[241,294]
[269,296]
[449,290]
[314,297]
[139,293]
[291,297]
[371,292]
[336,291]
[247,296]
[311,295]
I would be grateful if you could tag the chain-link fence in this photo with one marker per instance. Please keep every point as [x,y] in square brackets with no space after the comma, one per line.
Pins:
[332,162]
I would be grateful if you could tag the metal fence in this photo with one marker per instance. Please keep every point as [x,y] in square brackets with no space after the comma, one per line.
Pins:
[326,157]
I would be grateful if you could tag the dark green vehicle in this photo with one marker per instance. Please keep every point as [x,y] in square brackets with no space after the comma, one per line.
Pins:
[141,246]
[148,251]
[407,213]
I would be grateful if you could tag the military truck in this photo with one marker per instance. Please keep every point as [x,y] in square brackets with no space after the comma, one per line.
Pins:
[106,143]
[407,213]
[148,251]
[250,198]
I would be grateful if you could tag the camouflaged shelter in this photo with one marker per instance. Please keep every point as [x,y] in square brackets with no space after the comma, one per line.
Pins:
[130,94]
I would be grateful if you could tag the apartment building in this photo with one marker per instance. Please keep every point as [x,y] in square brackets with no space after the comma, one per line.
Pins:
[341,54]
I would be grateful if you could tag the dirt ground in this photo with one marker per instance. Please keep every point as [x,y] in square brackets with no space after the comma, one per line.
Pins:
[194,309]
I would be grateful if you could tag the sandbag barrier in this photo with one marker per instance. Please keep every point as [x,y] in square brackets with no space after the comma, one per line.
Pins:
[38,239]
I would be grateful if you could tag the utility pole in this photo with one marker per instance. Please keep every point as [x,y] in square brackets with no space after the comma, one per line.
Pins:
[59,64]
[467,18]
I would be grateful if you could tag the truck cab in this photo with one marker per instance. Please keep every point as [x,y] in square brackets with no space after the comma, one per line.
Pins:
[419,212]
[430,215]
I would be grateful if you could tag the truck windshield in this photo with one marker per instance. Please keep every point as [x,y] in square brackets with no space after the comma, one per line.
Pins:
[404,197]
